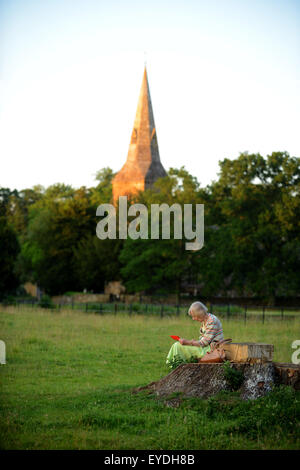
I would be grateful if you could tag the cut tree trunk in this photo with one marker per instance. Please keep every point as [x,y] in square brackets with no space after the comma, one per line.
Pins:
[253,360]
[205,380]
[249,352]
[287,374]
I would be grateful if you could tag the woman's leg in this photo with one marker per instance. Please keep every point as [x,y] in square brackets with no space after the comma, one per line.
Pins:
[185,352]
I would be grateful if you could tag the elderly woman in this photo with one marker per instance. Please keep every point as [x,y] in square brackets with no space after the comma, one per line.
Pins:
[211,331]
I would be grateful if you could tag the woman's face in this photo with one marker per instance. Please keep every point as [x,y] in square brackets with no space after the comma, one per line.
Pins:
[199,316]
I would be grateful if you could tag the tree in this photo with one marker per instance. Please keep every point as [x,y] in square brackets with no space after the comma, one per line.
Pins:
[18,208]
[96,262]
[161,266]
[57,223]
[9,245]
[60,249]
[254,246]
[102,193]
[9,249]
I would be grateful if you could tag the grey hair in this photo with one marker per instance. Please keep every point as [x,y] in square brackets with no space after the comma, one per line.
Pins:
[198,307]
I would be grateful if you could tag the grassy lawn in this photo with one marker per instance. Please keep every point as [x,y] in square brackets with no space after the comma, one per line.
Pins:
[68,379]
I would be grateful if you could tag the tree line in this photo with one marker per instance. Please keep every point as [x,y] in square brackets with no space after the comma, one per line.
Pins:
[251,238]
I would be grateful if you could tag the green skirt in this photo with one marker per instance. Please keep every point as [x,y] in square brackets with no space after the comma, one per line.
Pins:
[186,352]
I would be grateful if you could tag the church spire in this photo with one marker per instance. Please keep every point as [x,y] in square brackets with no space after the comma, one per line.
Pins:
[144,121]
[143,166]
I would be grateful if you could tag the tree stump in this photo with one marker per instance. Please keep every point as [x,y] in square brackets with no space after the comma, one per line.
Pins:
[287,374]
[249,352]
[252,360]
[205,380]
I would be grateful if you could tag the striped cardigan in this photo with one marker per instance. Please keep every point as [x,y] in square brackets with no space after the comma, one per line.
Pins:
[211,331]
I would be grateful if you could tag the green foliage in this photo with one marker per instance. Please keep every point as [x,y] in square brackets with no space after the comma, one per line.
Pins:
[275,414]
[102,193]
[9,249]
[255,218]
[46,302]
[161,266]
[60,250]
[278,411]
[177,361]
[96,261]
[252,244]
[155,266]
[18,207]
[252,227]
[233,377]
[135,307]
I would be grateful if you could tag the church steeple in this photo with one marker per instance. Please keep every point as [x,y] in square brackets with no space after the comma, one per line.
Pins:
[143,166]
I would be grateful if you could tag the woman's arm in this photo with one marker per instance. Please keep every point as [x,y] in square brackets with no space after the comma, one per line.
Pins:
[189,342]
[212,330]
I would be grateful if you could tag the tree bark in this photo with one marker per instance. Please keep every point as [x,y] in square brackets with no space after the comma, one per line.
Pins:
[205,380]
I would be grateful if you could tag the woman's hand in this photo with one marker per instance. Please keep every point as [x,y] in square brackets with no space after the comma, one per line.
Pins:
[184,341]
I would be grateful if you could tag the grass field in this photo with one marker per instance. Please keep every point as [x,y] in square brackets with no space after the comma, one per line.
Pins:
[68,379]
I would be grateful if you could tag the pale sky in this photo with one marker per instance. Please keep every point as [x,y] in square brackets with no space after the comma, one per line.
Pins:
[224,78]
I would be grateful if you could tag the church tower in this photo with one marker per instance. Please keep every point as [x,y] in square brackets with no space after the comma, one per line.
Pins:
[143,166]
